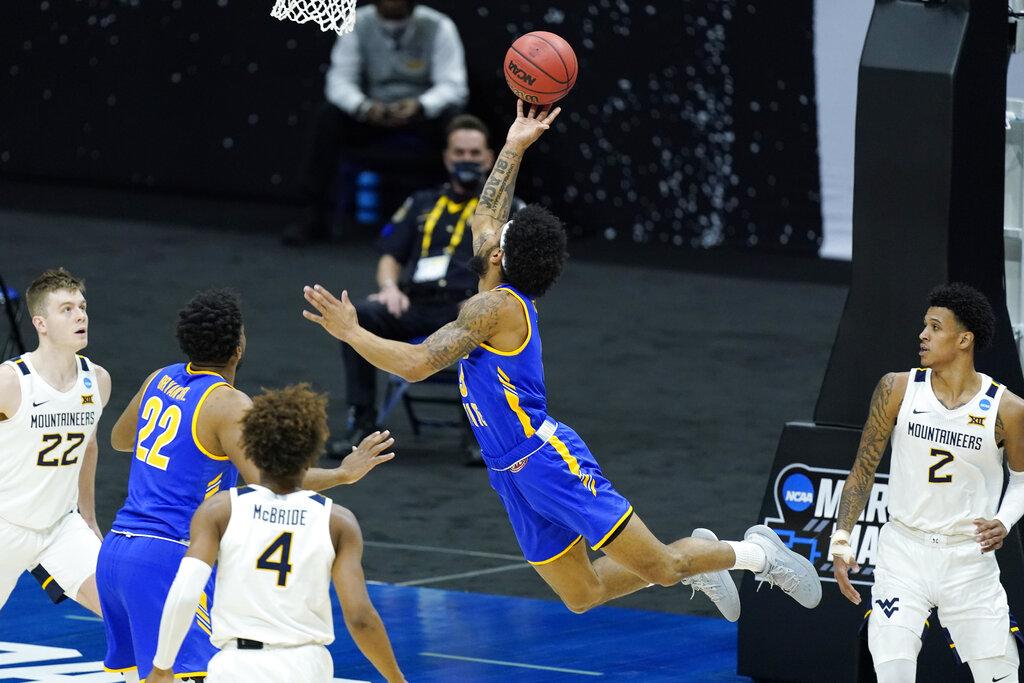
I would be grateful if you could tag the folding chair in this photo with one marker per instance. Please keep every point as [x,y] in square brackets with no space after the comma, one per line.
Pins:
[441,388]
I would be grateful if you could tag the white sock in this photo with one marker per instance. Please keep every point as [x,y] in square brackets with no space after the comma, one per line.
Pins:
[748,556]
[131,676]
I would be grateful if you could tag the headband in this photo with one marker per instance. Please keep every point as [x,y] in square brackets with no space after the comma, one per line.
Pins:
[501,243]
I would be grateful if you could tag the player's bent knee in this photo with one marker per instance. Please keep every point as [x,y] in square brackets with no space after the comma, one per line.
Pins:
[579,604]
[896,671]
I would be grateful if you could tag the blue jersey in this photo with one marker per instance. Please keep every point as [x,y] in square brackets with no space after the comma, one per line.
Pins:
[172,473]
[503,391]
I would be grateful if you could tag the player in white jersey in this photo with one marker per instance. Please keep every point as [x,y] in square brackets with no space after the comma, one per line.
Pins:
[277,548]
[950,427]
[50,402]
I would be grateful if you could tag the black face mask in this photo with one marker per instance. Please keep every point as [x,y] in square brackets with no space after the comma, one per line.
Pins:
[468,174]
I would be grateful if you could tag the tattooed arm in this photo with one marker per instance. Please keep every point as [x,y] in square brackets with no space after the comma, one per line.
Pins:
[885,407]
[496,198]
[480,319]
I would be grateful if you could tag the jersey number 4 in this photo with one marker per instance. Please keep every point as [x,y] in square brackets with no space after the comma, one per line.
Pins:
[51,442]
[933,472]
[282,543]
[168,420]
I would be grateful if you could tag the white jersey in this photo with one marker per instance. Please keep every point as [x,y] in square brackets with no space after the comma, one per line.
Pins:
[42,445]
[274,569]
[946,467]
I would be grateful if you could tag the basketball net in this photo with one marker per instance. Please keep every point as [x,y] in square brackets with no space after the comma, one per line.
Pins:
[332,15]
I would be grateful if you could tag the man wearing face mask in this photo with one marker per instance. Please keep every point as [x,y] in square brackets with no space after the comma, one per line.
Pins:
[393,85]
[423,274]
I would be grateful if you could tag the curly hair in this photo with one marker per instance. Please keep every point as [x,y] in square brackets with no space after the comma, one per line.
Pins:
[534,250]
[210,326]
[52,280]
[285,430]
[971,308]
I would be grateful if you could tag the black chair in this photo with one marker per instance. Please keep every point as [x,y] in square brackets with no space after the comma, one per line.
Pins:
[441,388]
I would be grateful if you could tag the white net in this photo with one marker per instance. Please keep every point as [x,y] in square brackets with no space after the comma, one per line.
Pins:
[332,15]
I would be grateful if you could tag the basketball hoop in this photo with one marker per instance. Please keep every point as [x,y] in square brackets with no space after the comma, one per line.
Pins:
[332,15]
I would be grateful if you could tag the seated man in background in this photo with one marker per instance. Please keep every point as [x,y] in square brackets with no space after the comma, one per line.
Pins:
[393,83]
[423,273]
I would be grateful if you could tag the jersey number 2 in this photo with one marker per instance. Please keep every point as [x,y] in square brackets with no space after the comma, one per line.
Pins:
[281,566]
[933,472]
[156,416]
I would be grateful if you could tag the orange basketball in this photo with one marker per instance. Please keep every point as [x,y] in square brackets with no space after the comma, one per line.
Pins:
[540,68]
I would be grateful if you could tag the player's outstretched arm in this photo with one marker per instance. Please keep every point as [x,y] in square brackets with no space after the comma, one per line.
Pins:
[496,197]
[220,432]
[885,407]
[479,319]
[208,525]
[361,619]
[122,436]
[1009,433]
[87,473]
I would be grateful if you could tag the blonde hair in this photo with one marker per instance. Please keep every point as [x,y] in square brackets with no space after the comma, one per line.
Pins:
[52,280]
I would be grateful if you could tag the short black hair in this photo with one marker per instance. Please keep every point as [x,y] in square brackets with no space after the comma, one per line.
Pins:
[285,430]
[467,122]
[971,308]
[210,326]
[534,250]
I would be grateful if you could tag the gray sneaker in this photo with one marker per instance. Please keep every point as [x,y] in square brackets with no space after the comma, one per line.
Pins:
[716,585]
[788,570]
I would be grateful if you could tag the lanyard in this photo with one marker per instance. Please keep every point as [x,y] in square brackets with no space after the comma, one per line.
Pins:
[460,227]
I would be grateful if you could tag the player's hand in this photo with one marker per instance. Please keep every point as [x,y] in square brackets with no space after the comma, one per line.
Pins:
[530,125]
[393,299]
[367,455]
[160,676]
[337,316]
[990,534]
[841,554]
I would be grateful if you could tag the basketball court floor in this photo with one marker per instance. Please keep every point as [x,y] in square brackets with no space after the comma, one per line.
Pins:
[438,635]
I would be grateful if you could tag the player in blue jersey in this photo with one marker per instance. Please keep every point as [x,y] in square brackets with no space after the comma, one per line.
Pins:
[184,427]
[552,488]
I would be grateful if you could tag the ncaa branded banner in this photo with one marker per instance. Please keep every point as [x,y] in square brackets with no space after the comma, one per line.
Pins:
[806,506]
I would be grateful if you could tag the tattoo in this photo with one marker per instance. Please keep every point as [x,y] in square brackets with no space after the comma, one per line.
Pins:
[1000,430]
[477,322]
[496,197]
[872,446]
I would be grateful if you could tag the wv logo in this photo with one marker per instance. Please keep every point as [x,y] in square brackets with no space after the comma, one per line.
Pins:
[888,606]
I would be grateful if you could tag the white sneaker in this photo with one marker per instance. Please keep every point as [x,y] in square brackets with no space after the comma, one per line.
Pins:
[790,571]
[716,585]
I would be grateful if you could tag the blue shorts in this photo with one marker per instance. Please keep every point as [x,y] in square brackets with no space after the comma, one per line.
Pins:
[133,576]
[559,496]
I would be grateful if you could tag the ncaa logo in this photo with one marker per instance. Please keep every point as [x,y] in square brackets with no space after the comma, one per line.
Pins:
[985,404]
[797,492]
[87,382]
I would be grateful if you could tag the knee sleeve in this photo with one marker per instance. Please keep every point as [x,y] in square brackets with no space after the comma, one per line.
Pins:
[1002,669]
[896,671]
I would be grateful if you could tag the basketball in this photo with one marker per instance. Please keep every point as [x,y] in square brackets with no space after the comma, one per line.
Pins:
[540,68]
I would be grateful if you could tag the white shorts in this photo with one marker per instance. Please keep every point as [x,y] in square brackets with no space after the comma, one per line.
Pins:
[306,663]
[913,575]
[67,550]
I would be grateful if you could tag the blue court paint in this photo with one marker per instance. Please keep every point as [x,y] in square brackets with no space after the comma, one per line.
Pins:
[438,636]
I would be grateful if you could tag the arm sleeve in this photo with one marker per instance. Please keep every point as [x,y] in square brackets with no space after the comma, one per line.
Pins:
[342,87]
[1012,507]
[179,609]
[447,71]
[397,234]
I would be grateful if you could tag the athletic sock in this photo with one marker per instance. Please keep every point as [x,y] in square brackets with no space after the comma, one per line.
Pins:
[748,556]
